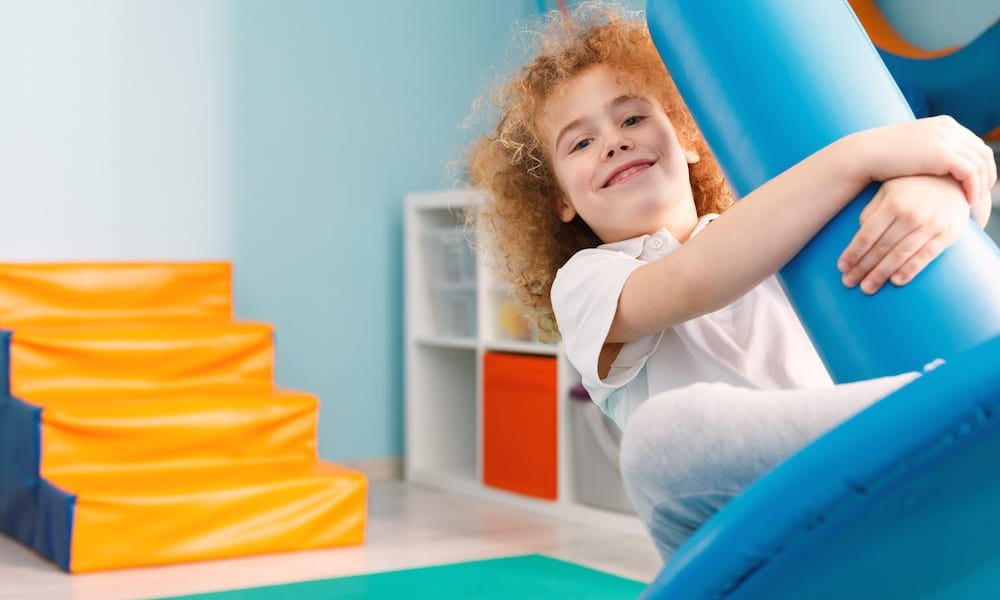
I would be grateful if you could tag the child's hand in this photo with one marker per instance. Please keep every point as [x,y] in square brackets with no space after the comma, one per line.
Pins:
[908,223]
[983,208]
[931,146]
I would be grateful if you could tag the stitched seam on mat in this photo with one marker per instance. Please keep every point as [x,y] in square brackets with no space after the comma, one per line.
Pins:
[982,416]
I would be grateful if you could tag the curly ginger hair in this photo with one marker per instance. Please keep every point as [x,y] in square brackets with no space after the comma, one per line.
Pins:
[524,239]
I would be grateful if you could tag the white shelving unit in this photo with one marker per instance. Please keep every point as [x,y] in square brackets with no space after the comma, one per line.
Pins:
[444,371]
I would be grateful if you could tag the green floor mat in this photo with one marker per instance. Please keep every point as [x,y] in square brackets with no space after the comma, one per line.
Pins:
[528,577]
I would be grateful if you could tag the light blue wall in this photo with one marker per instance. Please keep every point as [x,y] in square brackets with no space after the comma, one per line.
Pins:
[340,109]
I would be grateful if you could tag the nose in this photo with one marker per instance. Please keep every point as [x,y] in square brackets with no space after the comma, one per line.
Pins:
[619,145]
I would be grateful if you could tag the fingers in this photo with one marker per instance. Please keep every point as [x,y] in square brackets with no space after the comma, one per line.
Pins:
[973,164]
[908,223]
[983,207]
[977,186]
[890,250]
[981,210]
[991,160]
[873,223]
[978,191]
[920,259]
[984,154]
[907,258]
[971,178]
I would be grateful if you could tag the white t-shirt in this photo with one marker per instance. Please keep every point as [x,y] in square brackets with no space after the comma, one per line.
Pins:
[756,342]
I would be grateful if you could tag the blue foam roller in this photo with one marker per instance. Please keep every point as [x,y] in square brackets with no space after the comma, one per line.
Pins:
[770,82]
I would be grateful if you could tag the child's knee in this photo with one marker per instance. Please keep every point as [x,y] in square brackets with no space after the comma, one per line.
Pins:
[675,519]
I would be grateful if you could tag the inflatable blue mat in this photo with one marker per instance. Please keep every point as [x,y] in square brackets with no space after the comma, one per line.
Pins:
[902,501]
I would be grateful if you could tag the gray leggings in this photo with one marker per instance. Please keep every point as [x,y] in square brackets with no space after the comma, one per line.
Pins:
[687,452]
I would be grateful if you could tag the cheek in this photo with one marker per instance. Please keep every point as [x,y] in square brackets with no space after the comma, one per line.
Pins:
[670,142]
[676,154]
[578,176]
[565,180]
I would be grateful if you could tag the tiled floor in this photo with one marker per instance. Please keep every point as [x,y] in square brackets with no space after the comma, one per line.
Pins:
[409,526]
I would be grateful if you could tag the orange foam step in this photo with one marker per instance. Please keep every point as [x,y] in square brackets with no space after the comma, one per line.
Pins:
[130,358]
[180,516]
[83,432]
[55,293]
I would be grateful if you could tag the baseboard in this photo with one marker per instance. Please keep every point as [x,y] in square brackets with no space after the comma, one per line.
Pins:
[389,468]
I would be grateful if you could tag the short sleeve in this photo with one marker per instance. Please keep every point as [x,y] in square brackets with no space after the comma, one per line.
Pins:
[585,299]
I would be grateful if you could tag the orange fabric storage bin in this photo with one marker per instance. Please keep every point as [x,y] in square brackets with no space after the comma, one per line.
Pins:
[520,448]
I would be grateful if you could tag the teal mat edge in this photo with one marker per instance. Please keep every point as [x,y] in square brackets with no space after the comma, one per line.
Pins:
[521,576]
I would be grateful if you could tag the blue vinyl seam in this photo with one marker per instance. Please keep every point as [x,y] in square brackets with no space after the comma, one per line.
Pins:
[964,429]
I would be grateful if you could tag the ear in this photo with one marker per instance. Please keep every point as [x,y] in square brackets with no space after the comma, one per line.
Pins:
[692,156]
[564,209]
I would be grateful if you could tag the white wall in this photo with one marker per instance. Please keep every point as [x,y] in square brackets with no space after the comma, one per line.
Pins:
[934,24]
[114,130]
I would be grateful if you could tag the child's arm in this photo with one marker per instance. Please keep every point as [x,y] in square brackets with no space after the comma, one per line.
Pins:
[762,232]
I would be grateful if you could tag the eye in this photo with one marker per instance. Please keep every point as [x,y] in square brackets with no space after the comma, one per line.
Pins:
[633,120]
[580,145]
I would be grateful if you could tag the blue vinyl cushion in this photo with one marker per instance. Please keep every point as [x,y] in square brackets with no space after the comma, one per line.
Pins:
[902,501]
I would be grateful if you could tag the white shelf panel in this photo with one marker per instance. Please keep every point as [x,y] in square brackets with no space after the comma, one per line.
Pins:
[521,347]
[444,199]
[439,341]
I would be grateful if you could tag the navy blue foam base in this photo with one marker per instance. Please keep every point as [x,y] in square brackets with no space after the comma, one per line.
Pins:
[32,510]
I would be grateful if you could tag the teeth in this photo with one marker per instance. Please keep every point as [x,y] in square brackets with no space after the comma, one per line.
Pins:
[627,172]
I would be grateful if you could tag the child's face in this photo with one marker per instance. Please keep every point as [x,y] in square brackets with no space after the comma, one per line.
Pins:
[617,159]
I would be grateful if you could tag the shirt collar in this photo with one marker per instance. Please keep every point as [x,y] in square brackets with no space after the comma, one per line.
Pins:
[660,242]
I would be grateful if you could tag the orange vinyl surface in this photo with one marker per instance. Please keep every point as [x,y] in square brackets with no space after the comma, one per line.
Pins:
[147,292]
[168,516]
[85,433]
[140,357]
[520,449]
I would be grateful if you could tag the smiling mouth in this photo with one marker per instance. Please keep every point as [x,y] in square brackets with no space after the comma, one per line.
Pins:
[627,172]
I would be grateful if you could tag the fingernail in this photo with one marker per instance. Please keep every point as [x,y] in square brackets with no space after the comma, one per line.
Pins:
[868,287]
[849,281]
[842,265]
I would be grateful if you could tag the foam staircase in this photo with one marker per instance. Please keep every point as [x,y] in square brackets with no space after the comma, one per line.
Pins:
[140,425]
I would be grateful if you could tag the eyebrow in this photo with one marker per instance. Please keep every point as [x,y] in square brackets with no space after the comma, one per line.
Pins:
[613,104]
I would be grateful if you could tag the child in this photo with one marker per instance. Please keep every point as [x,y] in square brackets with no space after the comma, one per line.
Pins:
[605,219]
